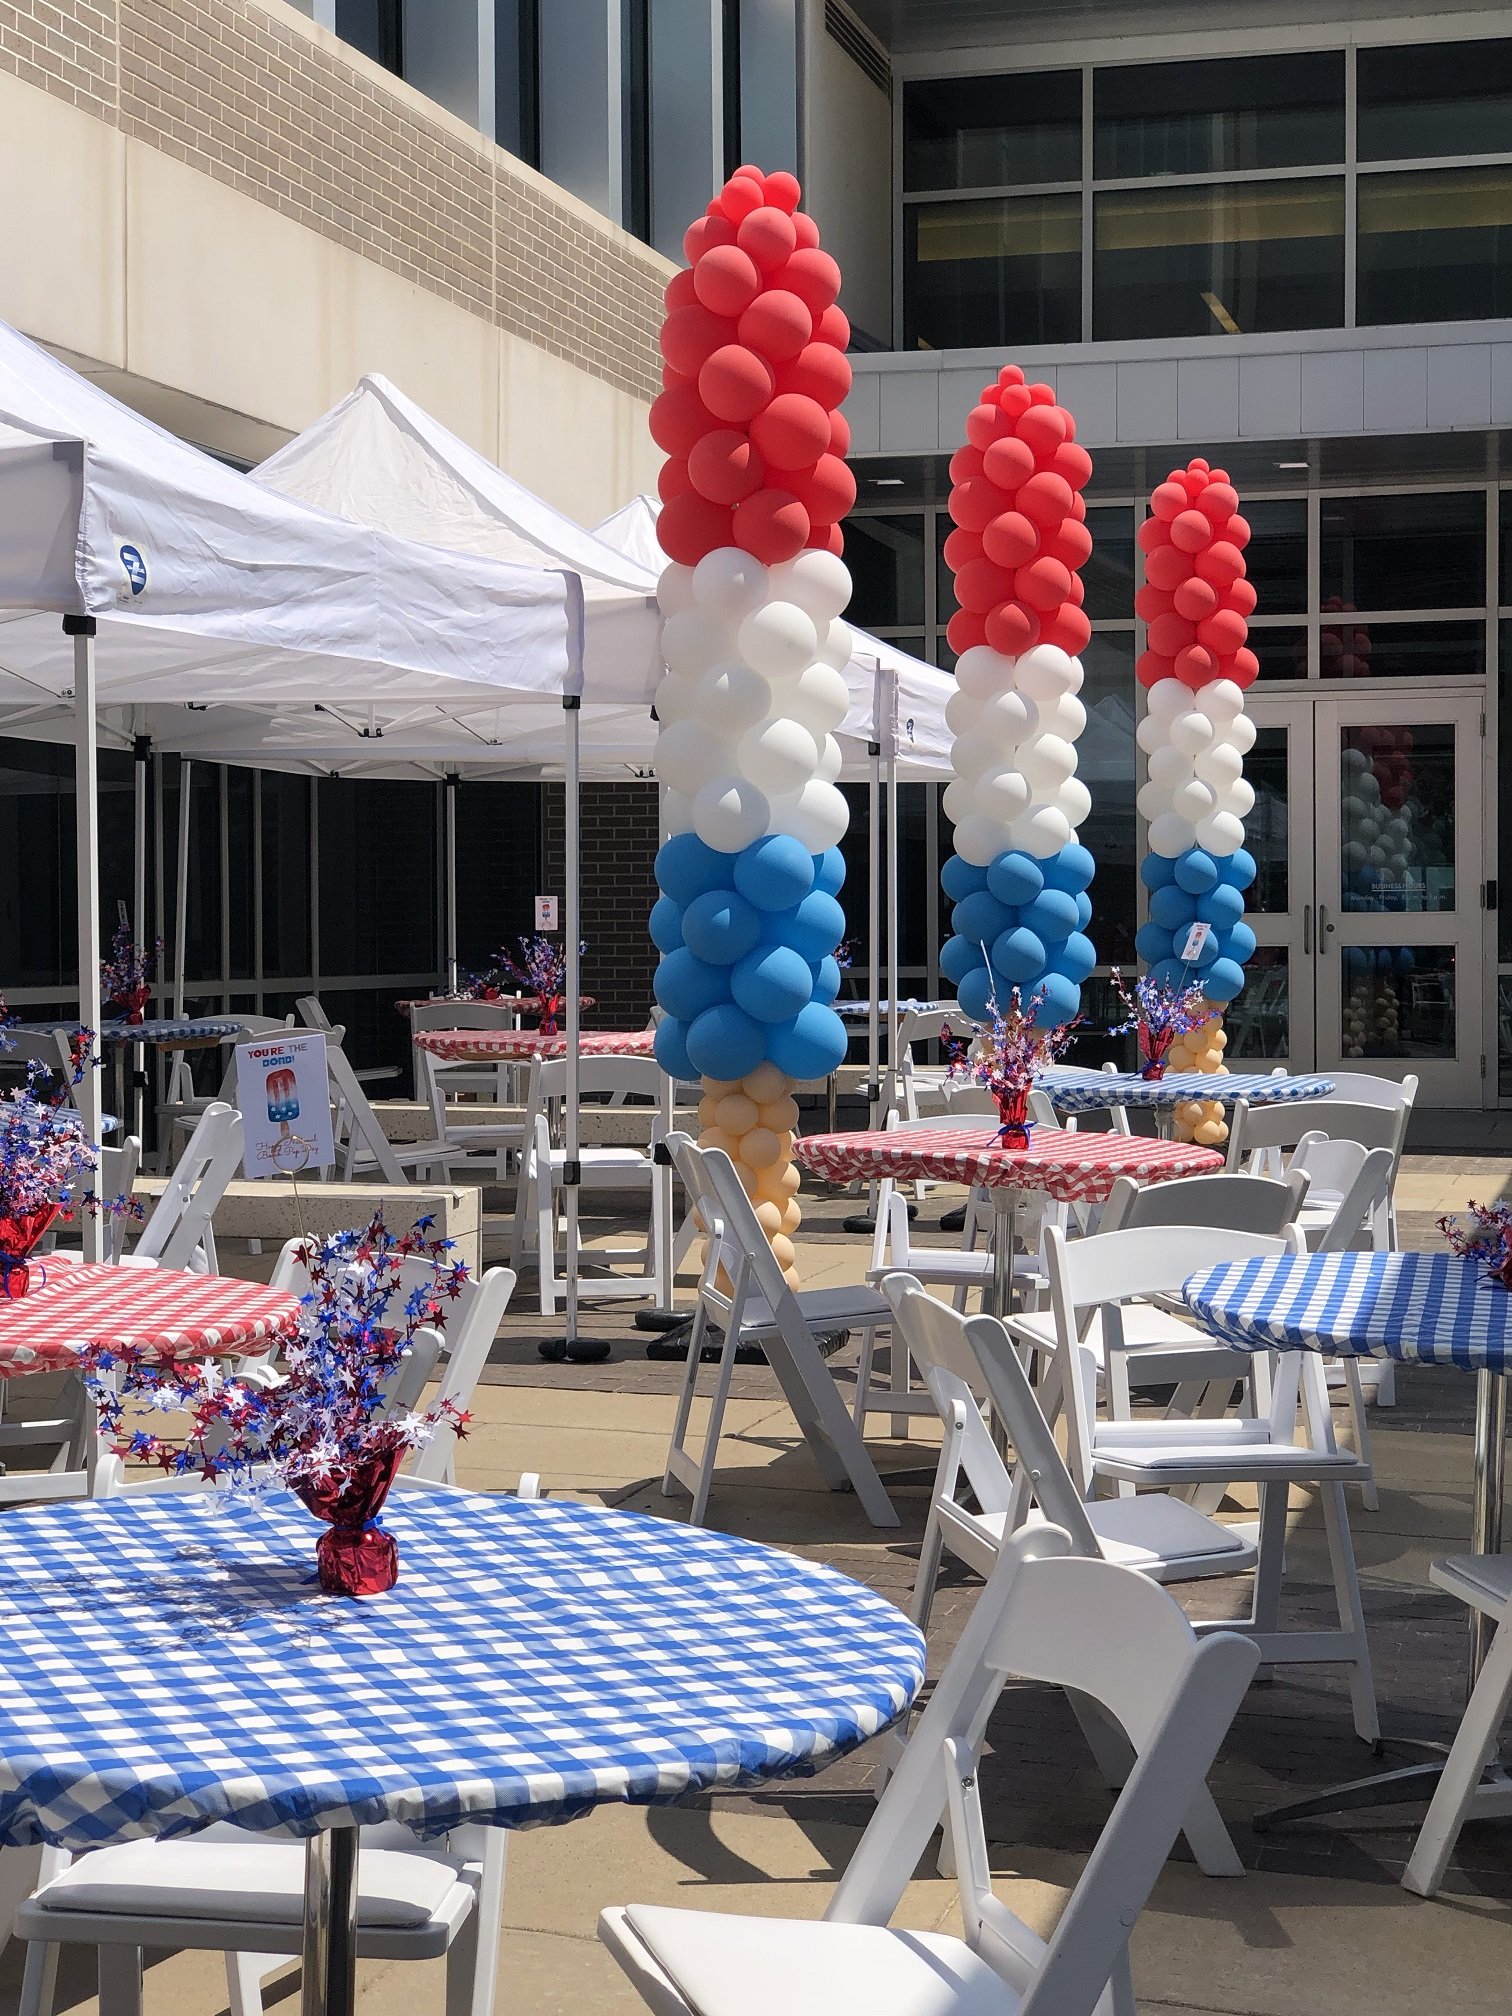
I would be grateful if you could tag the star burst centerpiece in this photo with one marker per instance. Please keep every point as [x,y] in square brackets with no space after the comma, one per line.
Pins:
[126,976]
[539,967]
[1005,1056]
[1483,1234]
[1157,1013]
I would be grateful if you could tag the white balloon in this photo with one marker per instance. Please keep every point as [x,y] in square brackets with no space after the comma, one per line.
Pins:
[1075,802]
[779,756]
[688,754]
[830,760]
[1190,732]
[1219,766]
[1353,853]
[1047,762]
[1000,794]
[1193,800]
[692,641]
[674,589]
[1045,672]
[676,699]
[962,713]
[1238,798]
[676,812]
[1041,831]
[1241,735]
[818,582]
[978,840]
[1167,698]
[817,815]
[1222,700]
[818,697]
[1353,761]
[837,644]
[779,640]
[1370,787]
[730,583]
[729,813]
[1150,733]
[972,754]
[730,698]
[1220,833]
[956,801]
[1009,718]
[1171,835]
[1066,717]
[981,671]
[1152,799]
[1169,767]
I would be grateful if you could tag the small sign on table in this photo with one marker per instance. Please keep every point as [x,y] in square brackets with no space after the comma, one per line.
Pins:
[546,913]
[285,1099]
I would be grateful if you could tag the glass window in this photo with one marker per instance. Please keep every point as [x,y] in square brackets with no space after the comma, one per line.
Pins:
[1281,649]
[1267,829]
[285,876]
[376,27]
[1259,1023]
[1236,258]
[1108,575]
[1505,590]
[945,600]
[1504,825]
[36,826]
[886,561]
[1276,557]
[1106,758]
[517,82]
[984,132]
[1398,1001]
[241,786]
[1235,112]
[1434,98]
[378,898]
[635,57]
[499,853]
[1403,651]
[1435,247]
[1427,552]
[1003,270]
[1396,796]
[203,938]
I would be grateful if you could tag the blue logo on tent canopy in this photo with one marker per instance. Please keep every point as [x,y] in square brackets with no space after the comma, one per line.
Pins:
[136,568]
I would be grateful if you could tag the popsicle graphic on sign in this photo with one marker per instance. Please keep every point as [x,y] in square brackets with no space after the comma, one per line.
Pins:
[283,1097]
[286,1104]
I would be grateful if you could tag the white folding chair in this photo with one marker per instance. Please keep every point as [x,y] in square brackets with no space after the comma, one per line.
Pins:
[180,1231]
[743,1292]
[313,1015]
[1103,1273]
[228,1890]
[119,1168]
[363,1149]
[1044,1619]
[181,1105]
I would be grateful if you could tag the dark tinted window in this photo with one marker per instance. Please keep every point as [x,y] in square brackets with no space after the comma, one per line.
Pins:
[517,88]
[1106,759]
[1424,552]
[376,27]
[1436,246]
[1435,98]
[984,132]
[498,867]
[285,876]
[1403,650]
[1247,112]
[1003,270]
[1108,575]
[378,893]
[1276,557]
[886,561]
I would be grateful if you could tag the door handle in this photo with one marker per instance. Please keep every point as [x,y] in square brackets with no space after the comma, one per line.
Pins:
[1306,928]
[1325,929]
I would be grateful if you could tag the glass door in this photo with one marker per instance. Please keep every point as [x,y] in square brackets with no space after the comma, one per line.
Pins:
[1272,1020]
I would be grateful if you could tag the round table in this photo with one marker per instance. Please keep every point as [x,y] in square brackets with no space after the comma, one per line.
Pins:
[151,1309]
[526,1003]
[1070,1167]
[169,1662]
[165,1032]
[1077,1091]
[524,1046]
[1421,1308]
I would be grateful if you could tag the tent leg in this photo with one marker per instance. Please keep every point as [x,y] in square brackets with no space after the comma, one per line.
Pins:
[866,1221]
[141,752]
[451,881]
[181,896]
[87,842]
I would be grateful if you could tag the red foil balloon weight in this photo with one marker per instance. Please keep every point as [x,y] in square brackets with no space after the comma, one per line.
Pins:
[132,1004]
[1013,1115]
[19,1233]
[357,1557]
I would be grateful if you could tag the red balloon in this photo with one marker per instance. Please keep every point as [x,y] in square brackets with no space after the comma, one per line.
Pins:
[976,502]
[792,432]
[961,546]
[965,631]
[819,371]
[1218,502]
[1010,539]
[1191,531]
[727,280]
[813,276]
[1073,462]
[984,423]
[1220,563]
[1079,509]
[1150,602]
[1152,666]
[1043,583]
[1068,629]
[829,538]
[782,190]
[1046,498]
[827,491]
[833,327]
[981,585]
[768,235]
[1078,591]
[1014,400]
[1042,395]
[1195,598]
[966,463]
[672,479]
[703,234]
[735,383]
[1043,429]
[1167,567]
[672,379]
[1241,595]
[807,229]
[777,324]
[1168,500]
[1012,629]
[840,434]
[725,466]
[772,525]
[1223,632]
[678,419]
[742,194]
[680,291]
[1152,533]
[1194,666]
[1011,374]
[1008,462]
[688,527]
[1243,668]
[1237,532]
[690,335]
[1071,544]
[1171,633]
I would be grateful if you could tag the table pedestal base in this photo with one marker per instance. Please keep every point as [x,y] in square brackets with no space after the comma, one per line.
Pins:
[328,1965]
[1409,1784]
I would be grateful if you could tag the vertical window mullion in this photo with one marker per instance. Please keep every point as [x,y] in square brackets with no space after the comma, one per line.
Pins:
[1351,186]
[1087,177]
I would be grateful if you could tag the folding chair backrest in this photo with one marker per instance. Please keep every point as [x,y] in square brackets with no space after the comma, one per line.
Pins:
[962,1096]
[364,1128]
[1253,1128]
[1362,1207]
[464,1015]
[1368,1088]
[117,1179]
[1229,1201]
[181,1220]
[640,1077]
[312,1013]
[1331,1165]
[703,1204]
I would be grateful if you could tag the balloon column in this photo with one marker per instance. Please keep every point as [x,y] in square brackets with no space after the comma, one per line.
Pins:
[753,491]
[1195,603]
[1018,878]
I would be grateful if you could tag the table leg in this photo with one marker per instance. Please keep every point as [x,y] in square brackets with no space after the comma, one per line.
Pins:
[1005,1202]
[1488,1496]
[329,1961]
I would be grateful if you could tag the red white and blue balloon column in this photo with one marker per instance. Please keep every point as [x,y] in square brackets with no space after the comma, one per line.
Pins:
[753,491]
[1195,603]
[1018,878]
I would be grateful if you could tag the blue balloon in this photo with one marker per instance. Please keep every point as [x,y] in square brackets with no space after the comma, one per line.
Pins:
[1196,871]
[1170,973]
[1223,980]
[1204,958]
[1170,908]
[772,983]
[685,985]
[1083,911]
[685,868]
[721,927]
[1405,959]
[671,1047]
[1238,943]
[812,1045]
[826,978]
[1015,878]
[814,928]
[1157,871]
[774,873]
[1072,869]
[725,1042]
[1383,958]
[1052,914]
[829,871]
[957,957]
[1060,1002]
[1221,907]
[1356,960]
[959,878]
[981,918]
[1238,870]
[972,993]
[1075,959]
[1150,942]
[666,924]
[1018,955]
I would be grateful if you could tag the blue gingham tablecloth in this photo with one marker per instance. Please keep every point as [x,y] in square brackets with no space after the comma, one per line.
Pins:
[1424,1308]
[857,1010]
[168,1662]
[1092,1091]
[165,1029]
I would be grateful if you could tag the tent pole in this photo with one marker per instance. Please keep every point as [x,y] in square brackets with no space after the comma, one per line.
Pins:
[181,898]
[874,920]
[141,754]
[893,1059]
[87,843]
[571,850]
[451,881]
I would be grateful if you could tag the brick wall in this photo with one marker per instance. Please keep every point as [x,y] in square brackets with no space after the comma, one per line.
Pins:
[619,832]
[247,95]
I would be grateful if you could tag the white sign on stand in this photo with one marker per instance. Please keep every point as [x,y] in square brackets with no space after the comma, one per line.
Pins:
[546,913]
[1196,938]
[285,1100]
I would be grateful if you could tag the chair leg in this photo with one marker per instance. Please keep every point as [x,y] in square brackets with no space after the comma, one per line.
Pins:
[120,1980]
[717,1401]
[39,1979]
[1370,1497]
[1351,1612]
[472,1960]
[931,1549]
[686,1397]
[245,1974]
[1271,1562]
[1454,1798]
[898,1353]
[863,1380]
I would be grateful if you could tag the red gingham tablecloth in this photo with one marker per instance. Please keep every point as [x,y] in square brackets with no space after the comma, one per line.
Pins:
[170,1314]
[1072,1168]
[523,1046]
